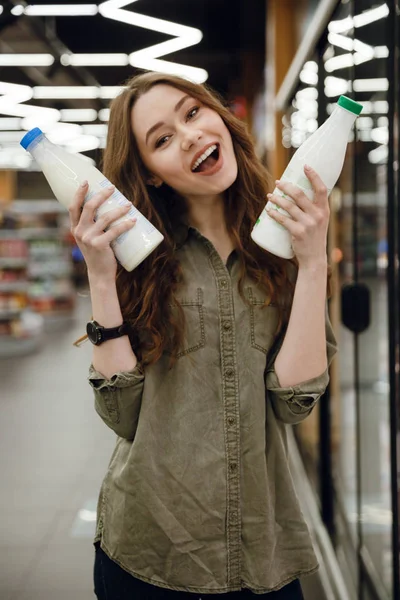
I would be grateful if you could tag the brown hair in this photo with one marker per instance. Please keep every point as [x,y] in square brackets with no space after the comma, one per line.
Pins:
[147,293]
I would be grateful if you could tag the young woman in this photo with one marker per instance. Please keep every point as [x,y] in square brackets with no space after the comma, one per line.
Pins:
[224,346]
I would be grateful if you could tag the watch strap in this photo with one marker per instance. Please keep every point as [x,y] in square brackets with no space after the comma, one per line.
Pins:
[110,333]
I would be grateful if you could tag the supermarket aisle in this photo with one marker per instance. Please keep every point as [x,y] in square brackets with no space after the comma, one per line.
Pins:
[54,451]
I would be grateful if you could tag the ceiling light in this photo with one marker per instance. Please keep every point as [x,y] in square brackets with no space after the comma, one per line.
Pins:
[10,124]
[311,65]
[61,133]
[10,136]
[78,114]
[1,9]
[99,130]
[365,18]
[162,66]
[113,9]
[380,84]
[309,77]
[108,92]
[14,92]
[83,143]
[12,158]
[364,123]
[370,16]
[380,135]
[104,114]
[341,26]
[310,93]
[335,86]
[148,58]
[340,41]
[17,10]
[26,60]
[61,10]
[381,52]
[65,91]
[379,155]
[94,60]
[343,61]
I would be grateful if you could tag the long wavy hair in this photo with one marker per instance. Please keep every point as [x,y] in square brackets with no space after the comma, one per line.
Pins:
[147,294]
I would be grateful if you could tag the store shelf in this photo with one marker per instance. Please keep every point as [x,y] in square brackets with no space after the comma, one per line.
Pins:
[35,238]
[30,233]
[37,207]
[10,313]
[13,286]
[13,262]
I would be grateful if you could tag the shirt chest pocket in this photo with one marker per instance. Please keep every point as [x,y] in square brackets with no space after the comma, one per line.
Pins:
[263,321]
[194,336]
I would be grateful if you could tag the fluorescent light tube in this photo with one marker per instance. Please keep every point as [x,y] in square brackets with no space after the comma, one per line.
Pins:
[78,114]
[370,16]
[99,130]
[61,10]
[67,91]
[380,84]
[365,18]
[149,58]
[104,114]
[10,124]
[94,60]
[26,60]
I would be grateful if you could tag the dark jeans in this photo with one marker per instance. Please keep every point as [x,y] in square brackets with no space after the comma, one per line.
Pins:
[111,582]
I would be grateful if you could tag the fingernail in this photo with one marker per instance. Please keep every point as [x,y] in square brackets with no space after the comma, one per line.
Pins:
[277,182]
[84,183]
[269,196]
[307,167]
[111,187]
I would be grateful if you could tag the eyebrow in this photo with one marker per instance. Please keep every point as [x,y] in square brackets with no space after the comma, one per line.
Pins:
[161,123]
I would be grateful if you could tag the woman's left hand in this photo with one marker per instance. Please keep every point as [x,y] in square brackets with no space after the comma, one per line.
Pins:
[308,221]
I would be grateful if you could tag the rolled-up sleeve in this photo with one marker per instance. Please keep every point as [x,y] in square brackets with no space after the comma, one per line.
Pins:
[293,404]
[118,399]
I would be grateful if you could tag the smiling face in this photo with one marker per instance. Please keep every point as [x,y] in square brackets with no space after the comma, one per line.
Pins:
[183,143]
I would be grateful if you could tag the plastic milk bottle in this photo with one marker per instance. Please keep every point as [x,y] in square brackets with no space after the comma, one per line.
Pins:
[325,152]
[65,172]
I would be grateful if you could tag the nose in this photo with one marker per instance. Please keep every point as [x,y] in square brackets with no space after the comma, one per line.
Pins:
[190,137]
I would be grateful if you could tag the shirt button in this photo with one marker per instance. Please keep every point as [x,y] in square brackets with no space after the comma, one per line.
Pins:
[233,467]
[223,283]
[231,420]
[227,326]
[229,373]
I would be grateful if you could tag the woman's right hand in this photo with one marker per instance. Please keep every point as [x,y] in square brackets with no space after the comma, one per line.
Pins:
[93,241]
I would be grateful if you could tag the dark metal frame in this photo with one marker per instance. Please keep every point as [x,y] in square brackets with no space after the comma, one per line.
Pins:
[393,228]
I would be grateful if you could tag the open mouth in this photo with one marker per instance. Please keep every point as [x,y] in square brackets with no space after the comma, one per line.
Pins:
[207,160]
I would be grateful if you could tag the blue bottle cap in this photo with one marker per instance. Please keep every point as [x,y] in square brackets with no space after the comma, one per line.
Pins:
[30,136]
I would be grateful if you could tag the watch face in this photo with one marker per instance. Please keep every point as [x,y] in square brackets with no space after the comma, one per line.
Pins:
[92,332]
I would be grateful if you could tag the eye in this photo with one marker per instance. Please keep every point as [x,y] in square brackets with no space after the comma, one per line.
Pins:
[162,140]
[192,113]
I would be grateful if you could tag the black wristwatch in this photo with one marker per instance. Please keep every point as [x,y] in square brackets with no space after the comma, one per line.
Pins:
[98,334]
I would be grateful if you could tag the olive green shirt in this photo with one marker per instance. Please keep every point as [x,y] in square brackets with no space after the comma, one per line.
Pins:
[198,496]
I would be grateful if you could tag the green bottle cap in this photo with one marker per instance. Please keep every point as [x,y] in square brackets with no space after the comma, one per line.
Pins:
[350,105]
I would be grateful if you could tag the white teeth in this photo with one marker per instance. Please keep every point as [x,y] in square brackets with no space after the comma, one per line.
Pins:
[203,157]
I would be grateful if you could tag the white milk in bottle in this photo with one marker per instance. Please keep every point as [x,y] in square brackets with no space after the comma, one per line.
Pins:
[65,172]
[325,152]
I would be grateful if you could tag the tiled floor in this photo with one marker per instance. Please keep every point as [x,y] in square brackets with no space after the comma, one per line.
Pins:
[54,451]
